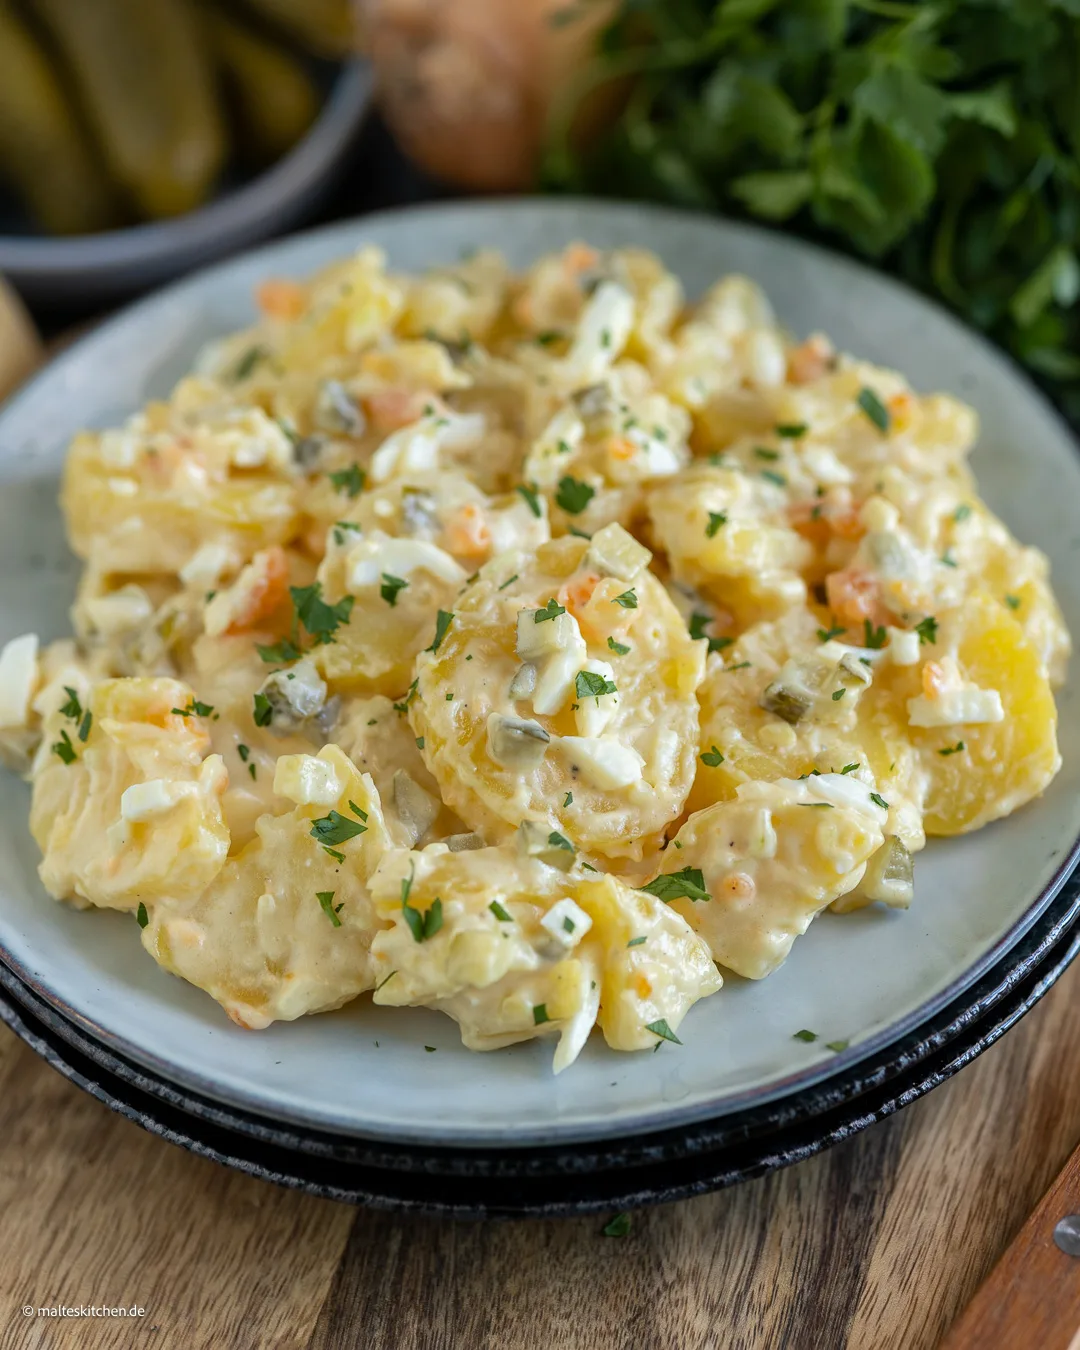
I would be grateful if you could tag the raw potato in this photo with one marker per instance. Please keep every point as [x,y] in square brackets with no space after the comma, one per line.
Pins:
[772,860]
[655,718]
[260,941]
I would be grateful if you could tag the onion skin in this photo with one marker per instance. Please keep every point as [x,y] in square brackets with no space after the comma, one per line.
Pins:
[466,85]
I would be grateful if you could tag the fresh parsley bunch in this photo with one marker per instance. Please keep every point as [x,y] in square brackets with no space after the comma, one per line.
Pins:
[941,138]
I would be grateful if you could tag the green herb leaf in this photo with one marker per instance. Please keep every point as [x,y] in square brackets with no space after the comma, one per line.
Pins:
[792,429]
[619,1226]
[65,749]
[574,496]
[628,599]
[712,757]
[636,942]
[326,900]
[500,913]
[532,497]
[773,477]
[953,749]
[141,916]
[280,654]
[550,611]
[717,519]
[85,725]
[874,638]
[350,481]
[557,840]
[1013,601]
[71,707]
[540,1015]
[873,407]
[335,828]
[660,1028]
[688,884]
[262,711]
[927,630]
[879,800]
[619,648]
[805,1035]
[391,588]
[194,709]
[836,1046]
[589,684]
[443,620]
[423,924]
[827,634]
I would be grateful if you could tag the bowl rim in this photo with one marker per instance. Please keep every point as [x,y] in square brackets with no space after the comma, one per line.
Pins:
[222,222]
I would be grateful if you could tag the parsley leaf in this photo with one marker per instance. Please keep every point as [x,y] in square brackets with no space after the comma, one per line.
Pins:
[65,749]
[827,634]
[423,924]
[141,916]
[927,630]
[194,709]
[350,481]
[628,599]
[687,884]
[540,1015]
[443,620]
[619,648]
[550,611]
[873,407]
[320,619]
[532,497]
[335,828]
[619,1226]
[712,757]
[717,519]
[874,638]
[262,711]
[792,429]
[71,707]
[500,913]
[589,684]
[85,725]
[879,800]
[805,1035]
[660,1028]
[326,900]
[574,496]
[1013,601]
[281,653]
[953,749]
[390,588]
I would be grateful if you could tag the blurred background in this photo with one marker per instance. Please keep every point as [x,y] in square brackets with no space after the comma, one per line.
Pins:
[939,141]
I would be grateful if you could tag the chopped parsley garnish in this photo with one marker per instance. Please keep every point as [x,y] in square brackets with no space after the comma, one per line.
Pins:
[873,407]
[805,1035]
[540,1015]
[326,900]
[248,362]
[827,634]
[628,599]
[252,771]
[953,749]
[195,709]
[547,338]
[85,725]
[508,582]
[849,768]
[717,519]
[356,810]
[962,512]
[419,742]
[589,684]
[384,981]
[335,828]
[739,665]
[619,648]
[141,916]
[243,751]
[338,857]
[819,806]
[636,942]
[689,884]
[350,481]
[838,694]
[947,559]
[763,452]
[791,429]
[403,706]
[619,1226]
[320,619]
[340,527]
[568,799]
[391,587]
[262,711]
[712,757]
[660,1028]
[836,1046]
[568,925]
[874,638]
[879,800]
[65,749]
[423,924]
[443,620]
[927,630]
[550,611]
[557,840]
[500,913]
[280,653]
[1013,601]
[774,477]
[532,497]
[564,448]
[574,496]
[71,707]
[697,631]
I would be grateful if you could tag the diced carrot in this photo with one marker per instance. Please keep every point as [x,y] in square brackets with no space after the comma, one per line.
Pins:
[281,299]
[621,448]
[853,597]
[933,679]
[577,593]
[810,360]
[390,409]
[265,586]
[579,258]
[467,534]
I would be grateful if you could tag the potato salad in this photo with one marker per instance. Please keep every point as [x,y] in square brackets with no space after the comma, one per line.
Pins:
[528,647]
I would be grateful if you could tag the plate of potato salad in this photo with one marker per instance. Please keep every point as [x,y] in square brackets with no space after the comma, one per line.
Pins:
[582,627]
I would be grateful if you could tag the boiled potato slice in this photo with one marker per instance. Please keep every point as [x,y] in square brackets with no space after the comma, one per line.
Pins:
[756,871]
[287,926]
[130,810]
[598,735]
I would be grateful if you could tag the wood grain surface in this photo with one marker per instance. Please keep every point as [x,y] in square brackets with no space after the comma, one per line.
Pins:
[876,1245]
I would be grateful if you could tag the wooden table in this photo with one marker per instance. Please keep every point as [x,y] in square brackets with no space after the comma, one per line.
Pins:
[874,1245]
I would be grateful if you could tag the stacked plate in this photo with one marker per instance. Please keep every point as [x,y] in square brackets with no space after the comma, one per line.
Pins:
[385,1107]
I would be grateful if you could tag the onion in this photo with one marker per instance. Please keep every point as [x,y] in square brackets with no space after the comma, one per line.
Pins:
[467,86]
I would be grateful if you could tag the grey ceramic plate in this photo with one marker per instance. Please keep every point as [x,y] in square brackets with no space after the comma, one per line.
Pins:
[118,262]
[870,977]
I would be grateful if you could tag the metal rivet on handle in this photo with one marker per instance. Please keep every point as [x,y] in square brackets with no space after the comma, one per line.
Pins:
[1067,1234]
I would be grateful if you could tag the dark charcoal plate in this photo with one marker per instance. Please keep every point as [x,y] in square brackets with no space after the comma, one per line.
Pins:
[584,1178]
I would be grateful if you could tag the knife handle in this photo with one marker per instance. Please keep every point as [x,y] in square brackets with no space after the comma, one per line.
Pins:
[1031,1298]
